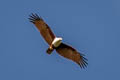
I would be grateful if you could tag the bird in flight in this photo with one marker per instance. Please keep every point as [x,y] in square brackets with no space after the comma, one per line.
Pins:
[55,43]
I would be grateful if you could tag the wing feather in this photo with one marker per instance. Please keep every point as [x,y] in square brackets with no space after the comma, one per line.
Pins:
[44,29]
[70,53]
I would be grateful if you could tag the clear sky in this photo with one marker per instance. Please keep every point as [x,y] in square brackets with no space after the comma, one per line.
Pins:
[90,26]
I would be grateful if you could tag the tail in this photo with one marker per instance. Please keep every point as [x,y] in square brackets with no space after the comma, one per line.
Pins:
[49,50]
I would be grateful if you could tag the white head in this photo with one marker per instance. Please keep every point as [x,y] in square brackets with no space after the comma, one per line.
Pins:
[57,41]
[59,38]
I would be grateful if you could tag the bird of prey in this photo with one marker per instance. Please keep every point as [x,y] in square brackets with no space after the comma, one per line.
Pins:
[55,43]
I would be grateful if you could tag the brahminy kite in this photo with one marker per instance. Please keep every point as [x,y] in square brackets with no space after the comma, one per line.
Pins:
[55,43]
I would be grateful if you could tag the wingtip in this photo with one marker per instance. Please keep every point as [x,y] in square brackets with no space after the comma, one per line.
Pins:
[83,62]
[34,17]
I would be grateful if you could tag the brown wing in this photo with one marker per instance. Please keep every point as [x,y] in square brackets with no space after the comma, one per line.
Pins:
[70,53]
[43,28]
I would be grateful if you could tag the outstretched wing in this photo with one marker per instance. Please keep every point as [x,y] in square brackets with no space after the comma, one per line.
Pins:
[70,53]
[43,28]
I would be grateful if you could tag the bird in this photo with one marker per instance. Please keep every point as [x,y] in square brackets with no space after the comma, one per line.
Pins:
[55,43]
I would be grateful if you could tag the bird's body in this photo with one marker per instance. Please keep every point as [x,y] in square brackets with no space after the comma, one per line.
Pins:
[55,43]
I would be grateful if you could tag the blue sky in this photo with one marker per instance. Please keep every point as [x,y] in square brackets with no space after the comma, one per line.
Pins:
[90,26]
